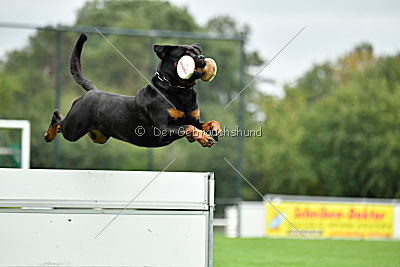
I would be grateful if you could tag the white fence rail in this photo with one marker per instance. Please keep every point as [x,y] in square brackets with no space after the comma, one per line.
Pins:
[51,217]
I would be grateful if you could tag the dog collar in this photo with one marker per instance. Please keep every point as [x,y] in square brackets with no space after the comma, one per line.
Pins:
[163,79]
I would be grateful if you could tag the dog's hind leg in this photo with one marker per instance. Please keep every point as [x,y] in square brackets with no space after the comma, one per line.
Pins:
[77,122]
[54,127]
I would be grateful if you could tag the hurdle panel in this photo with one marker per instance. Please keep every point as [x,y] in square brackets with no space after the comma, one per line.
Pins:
[51,217]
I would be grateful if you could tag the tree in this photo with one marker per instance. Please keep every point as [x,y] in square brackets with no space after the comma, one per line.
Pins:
[336,132]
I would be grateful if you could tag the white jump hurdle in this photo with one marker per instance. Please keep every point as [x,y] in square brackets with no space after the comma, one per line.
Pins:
[51,218]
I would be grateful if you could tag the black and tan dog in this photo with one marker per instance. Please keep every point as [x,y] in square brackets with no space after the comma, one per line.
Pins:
[159,114]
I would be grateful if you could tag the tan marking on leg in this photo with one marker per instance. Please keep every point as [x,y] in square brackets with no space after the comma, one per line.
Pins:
[211,125]
[194,114]
[51,133]
[54,128]
[175,113]
[97,137]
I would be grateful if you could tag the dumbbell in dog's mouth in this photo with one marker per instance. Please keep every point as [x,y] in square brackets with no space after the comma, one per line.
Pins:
[189,63]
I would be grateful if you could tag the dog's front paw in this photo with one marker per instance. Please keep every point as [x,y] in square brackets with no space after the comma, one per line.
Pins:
[206,141]
[200,136]
[213,128]
[192,133]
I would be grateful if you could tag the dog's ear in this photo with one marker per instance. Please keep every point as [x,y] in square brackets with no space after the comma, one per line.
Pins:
[197,46]
[162,50]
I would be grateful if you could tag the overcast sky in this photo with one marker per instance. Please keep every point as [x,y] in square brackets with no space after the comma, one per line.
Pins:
[332,27]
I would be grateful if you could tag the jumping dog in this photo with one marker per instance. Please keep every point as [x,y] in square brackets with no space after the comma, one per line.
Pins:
[160,113]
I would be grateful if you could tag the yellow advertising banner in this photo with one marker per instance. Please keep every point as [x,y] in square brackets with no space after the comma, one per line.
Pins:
[330,220]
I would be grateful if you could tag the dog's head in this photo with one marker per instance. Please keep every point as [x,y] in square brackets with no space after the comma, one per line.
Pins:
[184,64]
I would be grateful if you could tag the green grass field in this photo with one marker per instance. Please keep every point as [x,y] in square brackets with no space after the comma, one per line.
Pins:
[239,252]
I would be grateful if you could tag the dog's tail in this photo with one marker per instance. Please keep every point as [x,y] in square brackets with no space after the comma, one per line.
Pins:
[75,65]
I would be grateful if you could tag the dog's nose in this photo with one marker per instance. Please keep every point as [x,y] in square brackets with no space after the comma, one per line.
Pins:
[200,62]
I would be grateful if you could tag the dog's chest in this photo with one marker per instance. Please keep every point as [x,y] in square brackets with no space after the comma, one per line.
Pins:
[176,114]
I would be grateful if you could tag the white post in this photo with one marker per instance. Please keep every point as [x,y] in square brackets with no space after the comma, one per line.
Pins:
[25,145]
[25,126]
